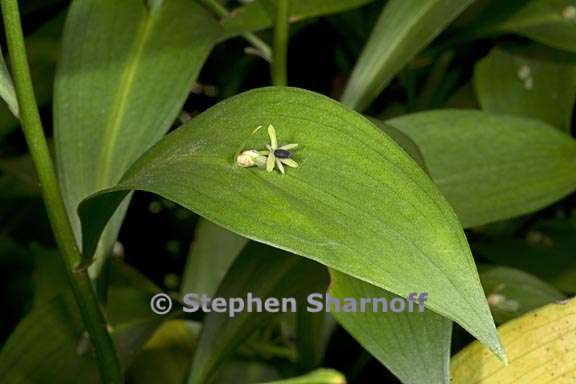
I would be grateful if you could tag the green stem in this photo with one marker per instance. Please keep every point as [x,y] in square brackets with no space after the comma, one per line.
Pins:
[222,12]
[80,283]
[281,34]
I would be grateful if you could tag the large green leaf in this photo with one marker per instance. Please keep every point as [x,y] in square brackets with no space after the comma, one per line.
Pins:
[540,346]
[397,340]
[357,203]
[492,167]
[211,254]
[120,85]
[256,15]
[7,91]
[264,272]
[528,83]
[404,28]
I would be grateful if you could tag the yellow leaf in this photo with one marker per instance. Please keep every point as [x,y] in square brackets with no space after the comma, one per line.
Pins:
[541,348]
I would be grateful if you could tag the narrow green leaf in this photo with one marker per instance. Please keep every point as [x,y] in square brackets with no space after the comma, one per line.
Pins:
[319,376]
[109,108]
[397,340]
[313,331]
[357,203]
[529,84]
[266,273]
[211,254]
[492,167]
[256,15]
[7,91]
[512,292]
[404,28]
[541,350]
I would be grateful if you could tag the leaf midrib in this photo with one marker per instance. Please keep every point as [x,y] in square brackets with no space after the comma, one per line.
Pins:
[120,102]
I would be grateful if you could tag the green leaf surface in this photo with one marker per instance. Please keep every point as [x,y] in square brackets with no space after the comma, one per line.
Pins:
[319,376]
[51,346]
[212,252]
[120,86]
[403,141]
[397,340]
[404,28]
[551,22]
[7,91]
[257,14]
[266,273]
[512,292]
[492,167]
[527,83]
[357,203]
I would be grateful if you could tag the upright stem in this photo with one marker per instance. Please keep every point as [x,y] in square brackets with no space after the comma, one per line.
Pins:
[80,283]
[260,45]
[281,34]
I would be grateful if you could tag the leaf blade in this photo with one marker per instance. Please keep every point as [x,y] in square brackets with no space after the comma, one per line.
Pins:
[522,83]
[493,182]
[109,108]
[397,340]
[401,216]
[403,29]
[548,333]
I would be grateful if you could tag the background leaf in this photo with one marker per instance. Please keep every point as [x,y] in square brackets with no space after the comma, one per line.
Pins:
[319,376]
[256,15]
[512,292]
[529,83]
[7,91]
[357,203]
[42,49]
[551,22]
[50,344]
[540,348]
[109,108]
[404,28]
[492,167]
[551,240]
[397,340]
[166,356]
[265,272]
[211,254]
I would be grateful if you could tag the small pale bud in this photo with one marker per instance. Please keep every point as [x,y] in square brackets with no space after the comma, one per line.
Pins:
[247,158]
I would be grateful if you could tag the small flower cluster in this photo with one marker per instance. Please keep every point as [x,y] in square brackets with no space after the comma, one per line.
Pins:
[273,157]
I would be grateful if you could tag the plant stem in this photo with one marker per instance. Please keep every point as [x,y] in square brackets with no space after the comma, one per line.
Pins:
[222,12]
[281,34]
[80,283]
